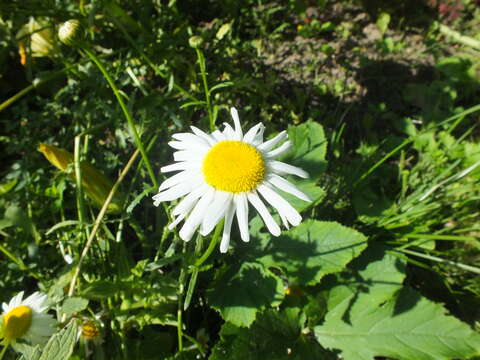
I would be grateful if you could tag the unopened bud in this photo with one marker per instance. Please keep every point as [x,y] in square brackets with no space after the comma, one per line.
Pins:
[69,31]
[195,41]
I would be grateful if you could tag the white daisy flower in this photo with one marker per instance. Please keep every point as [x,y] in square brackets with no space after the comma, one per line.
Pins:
[26,319]
[221,173]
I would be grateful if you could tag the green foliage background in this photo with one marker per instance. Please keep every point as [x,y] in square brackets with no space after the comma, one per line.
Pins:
[380,100]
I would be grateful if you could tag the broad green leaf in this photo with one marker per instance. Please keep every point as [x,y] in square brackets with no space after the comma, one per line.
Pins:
[274,335]
[243,290]
[74,305]
[311,250]
[309,148]
[28,352]
[374,273]
[363,324]
[60,346]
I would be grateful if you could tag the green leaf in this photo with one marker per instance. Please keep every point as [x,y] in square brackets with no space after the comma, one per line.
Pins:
[28,352]
[62,224]
[382,22]
[309,148]
[374,273]
[370,314]
[311,250]
[5,188]
[274,335]
[74,305]
[243,290]
[60,346]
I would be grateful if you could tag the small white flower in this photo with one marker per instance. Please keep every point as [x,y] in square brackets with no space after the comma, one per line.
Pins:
[26,319]
[221,173]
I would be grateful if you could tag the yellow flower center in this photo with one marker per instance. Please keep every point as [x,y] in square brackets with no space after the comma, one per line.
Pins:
[17,322]
[233,166]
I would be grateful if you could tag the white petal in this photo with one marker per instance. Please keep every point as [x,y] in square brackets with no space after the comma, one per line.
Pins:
[37,301]
[190,138]
[258,139]
[252,133]
[269,144]
[216,211]
[286,146]
[176,179]
[280,204]
[189,155]
[16,300]
[241,203]
[187,203]
[173,193]
[282,168]
[196,216]
[228,132]
[203,135]
[227,228]
[236,121]
[185,145]
[184,165]
[258,204]
[287,186]
[218,136]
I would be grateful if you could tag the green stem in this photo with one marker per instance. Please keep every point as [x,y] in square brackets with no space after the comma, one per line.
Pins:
[4,350]
[78,183]
[126,112]
[203,72]
[458,37]
[12,257]
[442,261]
[212,244]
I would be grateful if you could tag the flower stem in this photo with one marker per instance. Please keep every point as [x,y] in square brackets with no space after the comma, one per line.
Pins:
[203,72]
[126,112]
[211,246]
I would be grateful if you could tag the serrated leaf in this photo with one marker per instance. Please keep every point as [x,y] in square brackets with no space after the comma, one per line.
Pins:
[60,346]
[309,148]
[311,250]
[274,335]
[74,305]
[242,291]
[405,327]
[375,273]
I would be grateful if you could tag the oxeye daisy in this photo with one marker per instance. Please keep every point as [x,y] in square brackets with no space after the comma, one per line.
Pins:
[26,319]
[221,173]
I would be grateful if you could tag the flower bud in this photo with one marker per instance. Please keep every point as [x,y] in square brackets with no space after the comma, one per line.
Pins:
[69,31]
[195,41]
